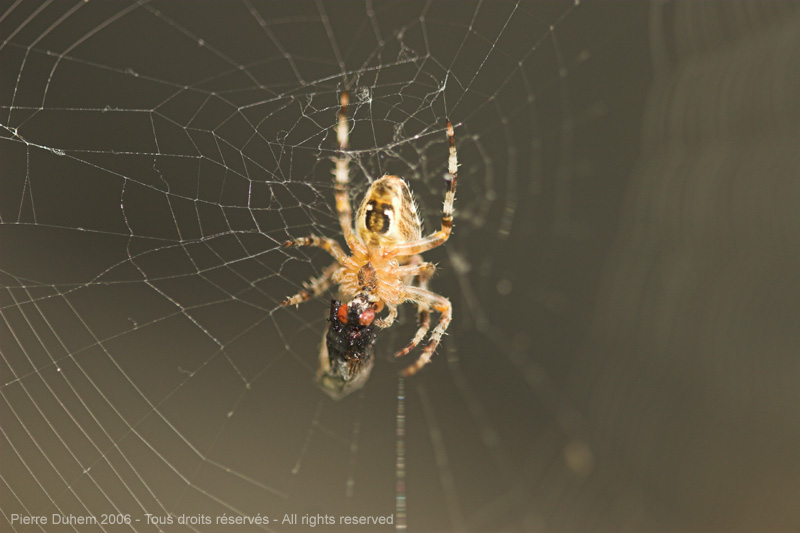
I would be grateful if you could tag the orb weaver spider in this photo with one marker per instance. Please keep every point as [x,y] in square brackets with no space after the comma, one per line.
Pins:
[384,270]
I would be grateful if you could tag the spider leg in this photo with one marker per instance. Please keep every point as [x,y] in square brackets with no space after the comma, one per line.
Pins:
[389,320]
[439,237]
[424,325]
[445,309]
[314,287]
[341,183]
[423,274]
[329,245]
[416,268]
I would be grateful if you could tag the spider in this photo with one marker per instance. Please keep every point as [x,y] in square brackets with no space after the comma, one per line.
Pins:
[385,268]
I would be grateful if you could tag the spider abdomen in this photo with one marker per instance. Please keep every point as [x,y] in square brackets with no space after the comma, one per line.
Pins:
[388,214]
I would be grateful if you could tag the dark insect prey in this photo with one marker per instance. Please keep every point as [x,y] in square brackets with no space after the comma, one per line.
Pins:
[346,359]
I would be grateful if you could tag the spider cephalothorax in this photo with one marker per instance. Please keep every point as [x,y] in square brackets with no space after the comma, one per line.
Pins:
[385,268]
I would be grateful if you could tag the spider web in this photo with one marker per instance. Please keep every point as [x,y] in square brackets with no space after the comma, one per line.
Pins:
[156,154]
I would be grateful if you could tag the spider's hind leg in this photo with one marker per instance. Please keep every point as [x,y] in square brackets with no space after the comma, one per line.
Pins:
[439,237]
[341,181]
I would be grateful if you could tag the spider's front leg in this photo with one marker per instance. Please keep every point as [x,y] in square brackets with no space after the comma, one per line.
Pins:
[422,272]
[443,306]
[417,268]
[389,320]
[317,286]
[313,287]
[329,245]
